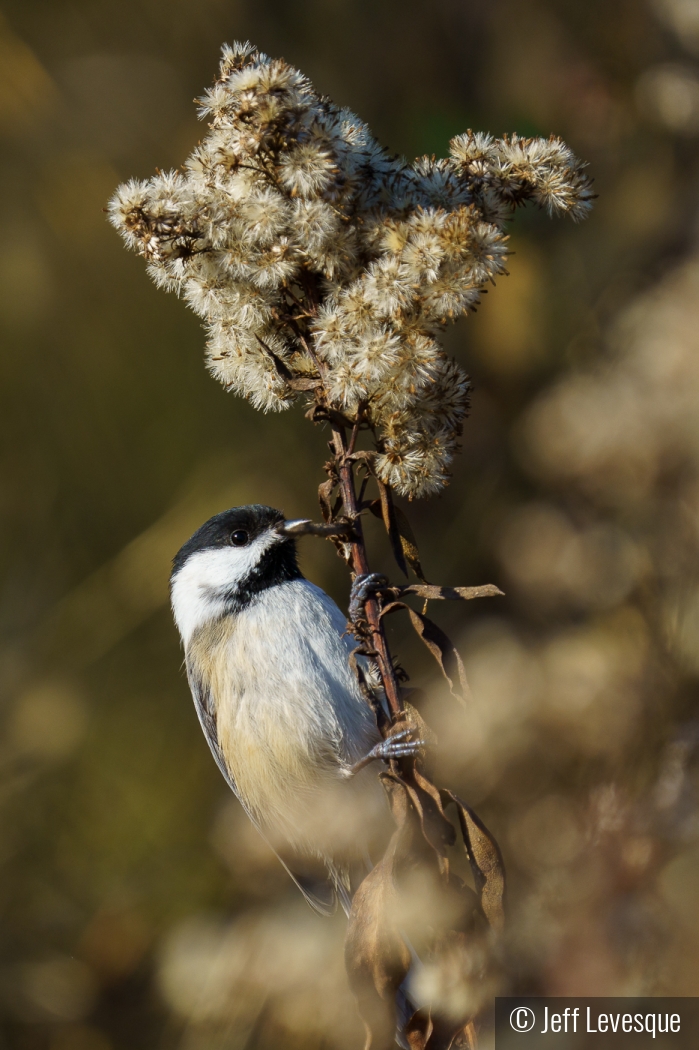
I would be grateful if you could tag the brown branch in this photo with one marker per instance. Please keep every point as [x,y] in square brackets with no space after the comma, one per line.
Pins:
[360,565]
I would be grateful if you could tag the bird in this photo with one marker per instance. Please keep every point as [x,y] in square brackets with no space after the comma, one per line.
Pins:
[267,657]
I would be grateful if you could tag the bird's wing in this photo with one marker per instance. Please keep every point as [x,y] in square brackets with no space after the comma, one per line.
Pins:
[321,894]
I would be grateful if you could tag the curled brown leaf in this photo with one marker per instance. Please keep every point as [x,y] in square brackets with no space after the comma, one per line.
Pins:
[486,861]
[377,958]
[443,650]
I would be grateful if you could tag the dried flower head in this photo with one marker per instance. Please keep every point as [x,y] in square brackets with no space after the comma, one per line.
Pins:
[316,257]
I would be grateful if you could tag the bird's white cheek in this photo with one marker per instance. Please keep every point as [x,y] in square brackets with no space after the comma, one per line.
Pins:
[205,580]
[192,606]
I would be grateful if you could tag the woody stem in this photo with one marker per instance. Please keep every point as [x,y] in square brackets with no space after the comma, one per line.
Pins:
[360,565]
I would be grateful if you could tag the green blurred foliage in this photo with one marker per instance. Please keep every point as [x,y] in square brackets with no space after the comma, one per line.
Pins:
[117,829]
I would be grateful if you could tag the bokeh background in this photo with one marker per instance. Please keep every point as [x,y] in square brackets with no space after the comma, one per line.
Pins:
[139,910]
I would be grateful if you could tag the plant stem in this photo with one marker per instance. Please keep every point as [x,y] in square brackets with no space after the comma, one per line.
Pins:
[360,565]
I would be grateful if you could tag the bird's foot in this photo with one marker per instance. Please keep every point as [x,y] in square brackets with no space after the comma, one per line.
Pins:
[399,745]
[364,586]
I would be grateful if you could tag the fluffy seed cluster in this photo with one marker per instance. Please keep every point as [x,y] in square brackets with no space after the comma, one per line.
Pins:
[321,262]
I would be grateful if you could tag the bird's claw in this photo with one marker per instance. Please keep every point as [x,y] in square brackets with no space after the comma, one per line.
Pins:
[399,745]
[363,587]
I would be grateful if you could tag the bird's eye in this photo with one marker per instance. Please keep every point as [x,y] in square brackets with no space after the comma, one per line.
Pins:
[239,538]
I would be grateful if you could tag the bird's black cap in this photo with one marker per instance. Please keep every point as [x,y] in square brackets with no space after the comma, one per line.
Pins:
[277,564]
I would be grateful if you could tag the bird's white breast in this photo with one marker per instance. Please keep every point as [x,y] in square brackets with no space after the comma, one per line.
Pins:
[290,717]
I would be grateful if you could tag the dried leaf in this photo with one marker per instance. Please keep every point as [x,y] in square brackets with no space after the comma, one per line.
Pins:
[388,514]
[377,958]
[409,543]
[365,456]
[400,532]
[413,718]
[432,591]
[468,1038]
[411,894]
[418,1030]
[443,1037]
[443,650]
[436,827]
[325,491]
[303,383]
[486,861]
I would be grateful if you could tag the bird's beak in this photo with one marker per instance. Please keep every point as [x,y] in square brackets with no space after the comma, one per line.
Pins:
[306,527]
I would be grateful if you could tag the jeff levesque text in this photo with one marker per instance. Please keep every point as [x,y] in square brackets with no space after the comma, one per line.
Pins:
[567,1021]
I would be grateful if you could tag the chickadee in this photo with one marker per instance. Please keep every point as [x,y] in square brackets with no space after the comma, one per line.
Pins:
[267,658]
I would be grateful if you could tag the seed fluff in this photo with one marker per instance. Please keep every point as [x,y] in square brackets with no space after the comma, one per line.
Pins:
[312,253]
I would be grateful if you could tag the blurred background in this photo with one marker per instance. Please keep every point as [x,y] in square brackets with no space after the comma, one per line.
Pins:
[139,909]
